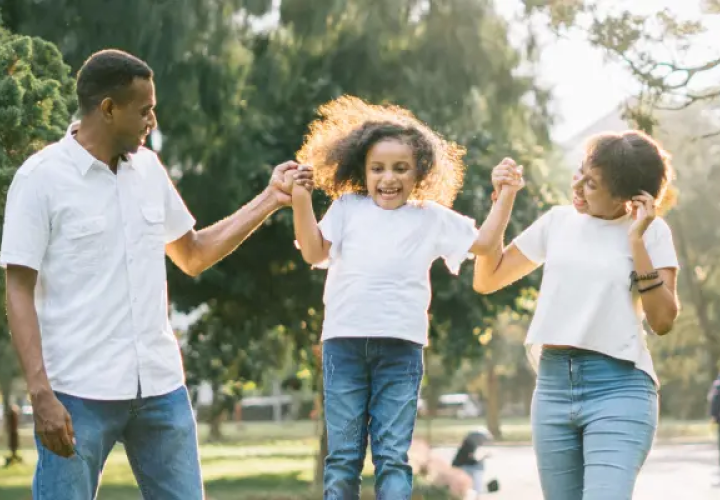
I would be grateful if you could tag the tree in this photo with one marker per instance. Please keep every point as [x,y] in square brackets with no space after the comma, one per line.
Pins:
[235,100]
[36,100]
[389,53]
[690,357]
[660,50]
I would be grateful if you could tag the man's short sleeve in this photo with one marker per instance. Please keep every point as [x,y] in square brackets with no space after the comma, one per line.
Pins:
[178,219]
[533,241]
[26,228]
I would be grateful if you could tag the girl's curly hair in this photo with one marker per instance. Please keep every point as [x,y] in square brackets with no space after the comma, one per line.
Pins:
[348,127]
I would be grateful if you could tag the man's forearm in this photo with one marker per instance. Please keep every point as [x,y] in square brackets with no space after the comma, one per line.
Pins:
[25,329]
[215,242]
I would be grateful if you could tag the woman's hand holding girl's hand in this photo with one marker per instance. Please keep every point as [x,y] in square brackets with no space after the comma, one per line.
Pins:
[509,175]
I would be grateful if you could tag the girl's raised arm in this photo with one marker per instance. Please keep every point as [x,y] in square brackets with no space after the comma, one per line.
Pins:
[313,247]
[495,265]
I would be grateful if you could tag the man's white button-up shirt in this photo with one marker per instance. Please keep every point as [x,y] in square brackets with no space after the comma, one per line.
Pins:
[97,240]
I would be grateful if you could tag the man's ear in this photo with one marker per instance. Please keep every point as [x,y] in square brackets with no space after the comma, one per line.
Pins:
[107,108]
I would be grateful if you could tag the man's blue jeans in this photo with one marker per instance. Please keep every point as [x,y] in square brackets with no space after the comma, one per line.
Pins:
[160,438]
[371,390]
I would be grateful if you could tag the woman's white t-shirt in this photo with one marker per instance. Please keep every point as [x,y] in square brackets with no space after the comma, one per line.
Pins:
[584,298]
[378,282]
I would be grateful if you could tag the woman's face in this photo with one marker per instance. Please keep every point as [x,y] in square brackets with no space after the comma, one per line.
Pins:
[592,197]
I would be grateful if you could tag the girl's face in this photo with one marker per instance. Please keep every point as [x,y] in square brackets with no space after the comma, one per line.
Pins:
[591,196]
[390,173]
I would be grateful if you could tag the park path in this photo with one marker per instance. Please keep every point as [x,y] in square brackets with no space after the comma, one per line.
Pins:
[672,472]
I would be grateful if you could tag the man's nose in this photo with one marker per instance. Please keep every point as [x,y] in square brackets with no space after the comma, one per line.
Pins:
[152,121]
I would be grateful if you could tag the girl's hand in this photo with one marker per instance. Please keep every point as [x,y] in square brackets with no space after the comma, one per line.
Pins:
[508,174]
[644,212]
[303,179]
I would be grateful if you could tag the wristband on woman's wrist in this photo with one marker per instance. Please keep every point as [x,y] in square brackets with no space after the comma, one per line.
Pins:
[651,287]
[637,278]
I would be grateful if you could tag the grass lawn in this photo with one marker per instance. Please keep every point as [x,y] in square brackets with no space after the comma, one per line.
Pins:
[271,471]
[266,461]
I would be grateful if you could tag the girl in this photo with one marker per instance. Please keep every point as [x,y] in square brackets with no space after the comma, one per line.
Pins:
[392,180]
[609,263]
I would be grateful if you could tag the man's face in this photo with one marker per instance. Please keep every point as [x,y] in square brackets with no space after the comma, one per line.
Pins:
[134,118]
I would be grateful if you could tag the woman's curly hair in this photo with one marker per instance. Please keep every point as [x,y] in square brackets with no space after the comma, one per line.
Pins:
[348,127]
[630,162]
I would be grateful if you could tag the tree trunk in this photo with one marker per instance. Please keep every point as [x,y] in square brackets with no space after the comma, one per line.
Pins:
[215,433]
[6,383]
[492,401]
[6,393]
[697,296]
[322,454]
[323,448]
[217,413]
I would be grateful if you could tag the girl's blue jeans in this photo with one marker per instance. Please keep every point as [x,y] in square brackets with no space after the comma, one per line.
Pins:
[371,390]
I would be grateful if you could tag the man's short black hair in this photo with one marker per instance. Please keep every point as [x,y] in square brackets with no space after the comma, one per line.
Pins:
[108,73]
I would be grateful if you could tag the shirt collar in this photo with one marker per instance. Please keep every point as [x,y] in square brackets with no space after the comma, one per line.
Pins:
[82,158]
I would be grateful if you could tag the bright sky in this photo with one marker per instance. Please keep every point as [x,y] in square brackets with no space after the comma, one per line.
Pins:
[586,85]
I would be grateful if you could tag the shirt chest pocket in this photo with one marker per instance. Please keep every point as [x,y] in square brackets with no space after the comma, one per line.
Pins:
[86,242]
[153,223]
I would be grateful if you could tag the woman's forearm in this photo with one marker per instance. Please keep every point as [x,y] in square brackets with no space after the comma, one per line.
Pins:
[658,297]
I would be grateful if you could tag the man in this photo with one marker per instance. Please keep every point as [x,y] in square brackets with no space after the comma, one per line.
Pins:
[88,222]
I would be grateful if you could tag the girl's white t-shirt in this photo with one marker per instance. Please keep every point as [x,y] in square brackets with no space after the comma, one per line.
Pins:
[378,282]
[584,298]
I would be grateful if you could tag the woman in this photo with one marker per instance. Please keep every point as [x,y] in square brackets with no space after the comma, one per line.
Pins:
[609,263]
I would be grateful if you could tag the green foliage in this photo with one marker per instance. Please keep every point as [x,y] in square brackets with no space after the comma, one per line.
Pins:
[687,359]
[36,100]
[660,50]
[234,100]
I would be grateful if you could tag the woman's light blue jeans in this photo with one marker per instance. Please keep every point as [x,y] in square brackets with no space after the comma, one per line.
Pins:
[593,420]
